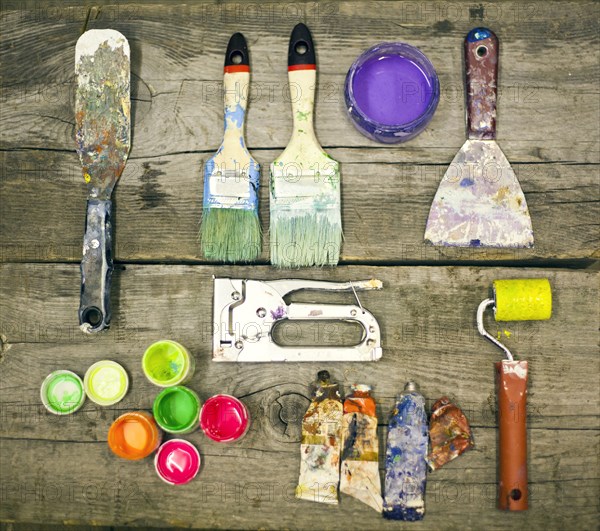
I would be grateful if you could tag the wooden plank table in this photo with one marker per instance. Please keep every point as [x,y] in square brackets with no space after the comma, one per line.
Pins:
[59,470]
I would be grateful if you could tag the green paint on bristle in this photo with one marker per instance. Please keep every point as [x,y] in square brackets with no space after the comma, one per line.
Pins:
[306,240]
[230,234]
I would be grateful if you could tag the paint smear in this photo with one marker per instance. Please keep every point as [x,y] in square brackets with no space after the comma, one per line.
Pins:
[321,444]
[405,467]
[449,432]
[360,455]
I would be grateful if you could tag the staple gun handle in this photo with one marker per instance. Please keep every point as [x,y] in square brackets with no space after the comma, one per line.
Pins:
[286,286]
[332,312]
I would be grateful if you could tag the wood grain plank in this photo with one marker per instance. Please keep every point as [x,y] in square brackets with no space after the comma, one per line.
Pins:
[385,204]
[237,490]
[545,79]
[60,469]
[426,315]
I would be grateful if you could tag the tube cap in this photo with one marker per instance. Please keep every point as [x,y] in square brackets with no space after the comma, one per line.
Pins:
[106,382]
[167,363]
[177,462]
[134,435]
[177,409]
[62,392]
[224,418]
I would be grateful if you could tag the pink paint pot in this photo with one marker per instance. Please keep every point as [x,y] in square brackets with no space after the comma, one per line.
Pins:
[177,462]
[224,418]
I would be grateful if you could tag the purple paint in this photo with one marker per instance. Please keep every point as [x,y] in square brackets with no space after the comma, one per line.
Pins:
[279,313]
[392,89]
[392,92]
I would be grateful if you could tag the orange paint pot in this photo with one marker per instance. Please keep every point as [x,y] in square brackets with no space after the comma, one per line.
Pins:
[134,435]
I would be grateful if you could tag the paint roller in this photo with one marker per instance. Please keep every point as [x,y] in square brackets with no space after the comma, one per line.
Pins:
[514,300]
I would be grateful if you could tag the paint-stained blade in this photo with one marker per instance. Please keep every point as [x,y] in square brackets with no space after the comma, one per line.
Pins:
[479,202]
[102,108]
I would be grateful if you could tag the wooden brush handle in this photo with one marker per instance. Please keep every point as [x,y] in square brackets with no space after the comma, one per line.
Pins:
[236,79]
[302,75]
[512,417]
[96,267]
[481,71]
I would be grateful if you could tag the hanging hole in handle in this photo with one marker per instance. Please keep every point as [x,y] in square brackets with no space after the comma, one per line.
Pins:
[515,494]
[236,58]
[481,51]
[92,316]
[301,47]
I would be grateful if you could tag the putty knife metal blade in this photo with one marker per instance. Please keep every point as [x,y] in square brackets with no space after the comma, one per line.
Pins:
[479,202]
[102,133]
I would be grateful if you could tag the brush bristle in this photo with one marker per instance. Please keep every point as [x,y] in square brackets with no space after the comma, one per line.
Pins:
[305,240]
[230,234]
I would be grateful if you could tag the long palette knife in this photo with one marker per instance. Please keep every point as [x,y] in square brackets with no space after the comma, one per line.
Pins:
[479,202]
[102,133]
[246,312]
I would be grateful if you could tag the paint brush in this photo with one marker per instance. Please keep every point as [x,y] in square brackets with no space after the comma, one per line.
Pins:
[230,230]
[102,133]
[306,223]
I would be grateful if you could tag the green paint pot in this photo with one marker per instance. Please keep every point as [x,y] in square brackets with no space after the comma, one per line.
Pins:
[62,392]
[167,363]
[177,410]
[106,383]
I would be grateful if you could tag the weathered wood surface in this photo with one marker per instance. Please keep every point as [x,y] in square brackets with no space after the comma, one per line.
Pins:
[249,484]
[548,123]
[158,207]
[60,471]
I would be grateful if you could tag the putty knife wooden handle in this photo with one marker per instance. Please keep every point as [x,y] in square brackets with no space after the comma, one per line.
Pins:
[511,381]
[481,68]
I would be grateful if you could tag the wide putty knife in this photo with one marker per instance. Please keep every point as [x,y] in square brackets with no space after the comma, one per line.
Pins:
[479,202]
[102,133]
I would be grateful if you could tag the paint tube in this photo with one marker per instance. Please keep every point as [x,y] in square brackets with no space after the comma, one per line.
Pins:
[360,454]
[321,444]
[405,467]
[449,432]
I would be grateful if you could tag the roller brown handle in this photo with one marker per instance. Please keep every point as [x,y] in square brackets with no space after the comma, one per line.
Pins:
[511,379]
[481,76]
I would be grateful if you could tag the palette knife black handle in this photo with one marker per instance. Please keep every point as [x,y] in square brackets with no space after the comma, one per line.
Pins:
[96,267]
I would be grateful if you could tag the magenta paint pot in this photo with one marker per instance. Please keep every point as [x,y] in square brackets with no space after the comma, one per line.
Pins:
[224,418]
[177,462]
[392,92]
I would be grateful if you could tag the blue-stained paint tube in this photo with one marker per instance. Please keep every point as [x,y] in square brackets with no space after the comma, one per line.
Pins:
[405,465]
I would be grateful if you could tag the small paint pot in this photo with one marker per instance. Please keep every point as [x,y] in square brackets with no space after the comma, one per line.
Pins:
[177,462]
[134,435]
[167,363]
[177,409]
[62,392]
[106,383]
[224,418]
[391,91]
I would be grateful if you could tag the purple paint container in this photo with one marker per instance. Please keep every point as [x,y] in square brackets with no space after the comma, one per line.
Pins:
[392,91]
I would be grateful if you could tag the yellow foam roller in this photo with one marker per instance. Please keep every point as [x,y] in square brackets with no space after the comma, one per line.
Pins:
[523,299]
